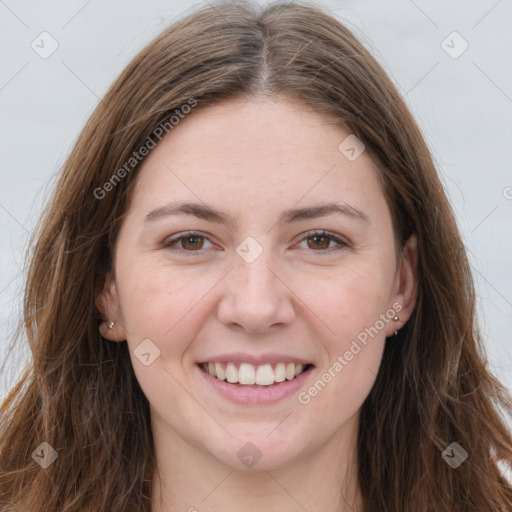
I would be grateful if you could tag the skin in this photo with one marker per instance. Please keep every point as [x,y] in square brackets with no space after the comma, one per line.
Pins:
[252,158]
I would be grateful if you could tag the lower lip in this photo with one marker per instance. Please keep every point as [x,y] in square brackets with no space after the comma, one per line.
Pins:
[254,396]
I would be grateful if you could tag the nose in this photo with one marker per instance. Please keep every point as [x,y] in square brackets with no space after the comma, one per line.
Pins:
[255,297]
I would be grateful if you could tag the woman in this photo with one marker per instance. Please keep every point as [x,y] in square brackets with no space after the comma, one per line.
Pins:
[249,292]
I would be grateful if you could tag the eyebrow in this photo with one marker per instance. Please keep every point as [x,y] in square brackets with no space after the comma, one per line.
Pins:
[211,214]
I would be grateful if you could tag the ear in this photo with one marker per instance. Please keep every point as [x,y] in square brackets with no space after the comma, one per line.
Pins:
[406,286]
[108,305]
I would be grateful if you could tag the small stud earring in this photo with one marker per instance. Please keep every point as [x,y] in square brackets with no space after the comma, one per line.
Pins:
[396,317]
[111,325]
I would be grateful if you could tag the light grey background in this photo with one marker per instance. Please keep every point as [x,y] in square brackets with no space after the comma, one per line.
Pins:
[463,105]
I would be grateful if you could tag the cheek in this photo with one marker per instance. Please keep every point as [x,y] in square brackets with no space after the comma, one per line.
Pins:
[163,304]
[349,300]
[348,308]
[166,307]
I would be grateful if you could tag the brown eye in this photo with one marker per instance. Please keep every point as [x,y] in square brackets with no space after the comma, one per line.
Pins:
[318,242]
[186,242]
[192,242]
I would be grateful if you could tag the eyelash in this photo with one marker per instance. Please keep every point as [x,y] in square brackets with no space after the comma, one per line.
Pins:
[170,242]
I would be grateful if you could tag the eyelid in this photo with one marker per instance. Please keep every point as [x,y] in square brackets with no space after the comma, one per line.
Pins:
[166,244]
[342,243]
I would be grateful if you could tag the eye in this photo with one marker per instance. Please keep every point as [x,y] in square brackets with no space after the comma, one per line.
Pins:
[193,242]
[190,242]
[320,240]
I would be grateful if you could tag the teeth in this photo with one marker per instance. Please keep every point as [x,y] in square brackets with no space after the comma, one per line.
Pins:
[280,372]
[264,375]
[248,374]
[219,372]
[290,371]
[231,373]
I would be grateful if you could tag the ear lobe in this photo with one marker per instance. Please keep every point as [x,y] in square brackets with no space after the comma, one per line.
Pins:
[108,305]
[407,287]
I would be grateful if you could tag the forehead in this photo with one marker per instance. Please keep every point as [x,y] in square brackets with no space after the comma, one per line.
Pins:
[254,153]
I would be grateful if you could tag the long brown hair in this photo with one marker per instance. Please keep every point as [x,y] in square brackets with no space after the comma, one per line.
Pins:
[79,393]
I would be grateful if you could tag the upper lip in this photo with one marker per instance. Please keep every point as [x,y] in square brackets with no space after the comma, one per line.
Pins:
[239,357]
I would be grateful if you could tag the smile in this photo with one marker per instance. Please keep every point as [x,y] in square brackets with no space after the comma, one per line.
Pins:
[246,374]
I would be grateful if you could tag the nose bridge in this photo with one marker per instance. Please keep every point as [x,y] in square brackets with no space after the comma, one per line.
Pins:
[255,282]
[252,262]
[255,297]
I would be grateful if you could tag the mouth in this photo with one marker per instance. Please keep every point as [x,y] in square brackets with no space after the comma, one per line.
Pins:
[254,376]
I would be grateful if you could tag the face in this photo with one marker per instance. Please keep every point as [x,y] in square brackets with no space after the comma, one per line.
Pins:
[252,275]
